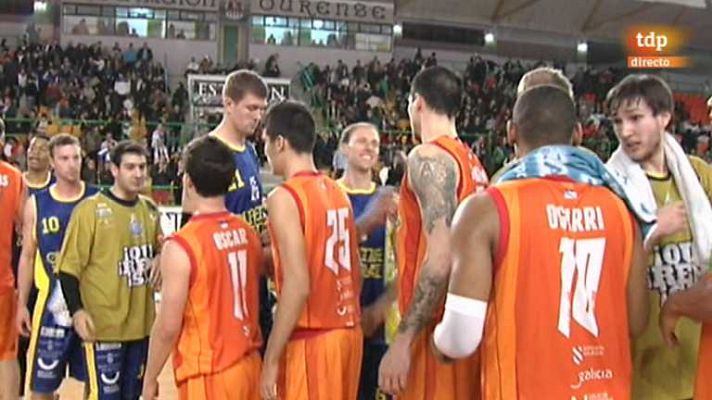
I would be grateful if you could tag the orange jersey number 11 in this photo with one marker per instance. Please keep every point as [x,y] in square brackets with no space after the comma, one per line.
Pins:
[238,274]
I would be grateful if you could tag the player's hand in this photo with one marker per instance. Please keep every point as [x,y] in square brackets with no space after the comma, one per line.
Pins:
[672,219]
[23,321]
[386,205]
[372,318]
[395,367]
[668,322]
[84,325]
[150,390]
[265,238]
[268,381]
[154,274]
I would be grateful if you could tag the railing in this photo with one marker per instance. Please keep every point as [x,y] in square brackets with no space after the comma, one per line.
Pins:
[173,126]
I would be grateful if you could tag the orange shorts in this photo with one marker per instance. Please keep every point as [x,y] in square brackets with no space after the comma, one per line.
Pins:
[703,385]
[326,366]
[430,379]
[8,329]
[238,382]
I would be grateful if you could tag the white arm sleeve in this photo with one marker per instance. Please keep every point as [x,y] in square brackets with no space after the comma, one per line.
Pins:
[460,331]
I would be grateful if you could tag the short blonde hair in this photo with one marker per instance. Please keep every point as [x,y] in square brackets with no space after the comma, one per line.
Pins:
[545,76]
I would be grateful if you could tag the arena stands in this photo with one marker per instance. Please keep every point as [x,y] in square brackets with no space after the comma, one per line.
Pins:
[102,94]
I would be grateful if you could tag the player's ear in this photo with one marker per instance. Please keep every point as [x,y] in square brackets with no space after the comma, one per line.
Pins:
[577,138]
[511,133]
[664,118]
[343,148]
[114,170]
[280,143]
[418,103]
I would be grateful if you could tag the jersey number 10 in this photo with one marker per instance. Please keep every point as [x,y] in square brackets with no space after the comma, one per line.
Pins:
[50,225]
[585,257]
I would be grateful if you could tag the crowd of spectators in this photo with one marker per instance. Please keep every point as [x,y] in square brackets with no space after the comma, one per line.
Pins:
[103,95]
[97,93]
[377,92]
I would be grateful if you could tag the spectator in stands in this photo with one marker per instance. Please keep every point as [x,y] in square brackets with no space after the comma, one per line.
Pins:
[192,67]
[130,55]
[105,175]
[271,67]
[81,28]
[106,146]
[180,96]
[89,171]
[158,144]
[145,54]
[177,182]
[358,73]
[161,173]
[397,169]
[288,39]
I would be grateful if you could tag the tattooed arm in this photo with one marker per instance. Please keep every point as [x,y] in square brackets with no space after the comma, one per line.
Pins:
[433,176]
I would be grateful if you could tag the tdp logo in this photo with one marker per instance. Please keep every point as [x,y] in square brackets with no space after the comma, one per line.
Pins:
[651,40]
[656,46]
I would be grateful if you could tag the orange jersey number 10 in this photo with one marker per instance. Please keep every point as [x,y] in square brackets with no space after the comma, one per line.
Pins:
[585,257]
[238,275]
[336,220]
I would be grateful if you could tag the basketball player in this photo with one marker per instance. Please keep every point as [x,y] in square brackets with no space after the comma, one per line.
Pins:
[53,343]
[209,304]
[12,198]
[244,103]
[103,269]
[441,172]
[316,332]
[541,76]
[360,145]
[694,303]
[523,243]
[39,175]
[37,178]
[642,108]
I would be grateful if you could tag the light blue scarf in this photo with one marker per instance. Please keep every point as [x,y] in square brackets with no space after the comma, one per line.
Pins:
[581,166]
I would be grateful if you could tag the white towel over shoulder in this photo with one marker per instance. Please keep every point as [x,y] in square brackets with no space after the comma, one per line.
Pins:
[691,190]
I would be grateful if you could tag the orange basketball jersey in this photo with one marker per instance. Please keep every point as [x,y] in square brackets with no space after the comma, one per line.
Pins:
[11,193]
[557,323]
[220,321]
[410,242]
[703,383]
[332,253]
